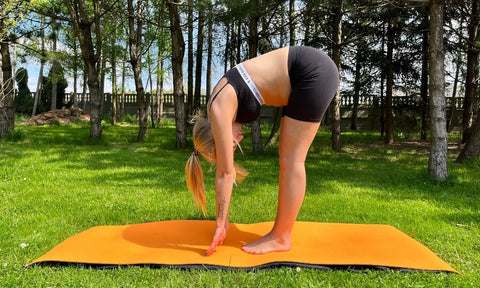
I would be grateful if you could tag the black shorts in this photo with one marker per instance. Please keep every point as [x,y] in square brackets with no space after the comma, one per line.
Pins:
[314,79]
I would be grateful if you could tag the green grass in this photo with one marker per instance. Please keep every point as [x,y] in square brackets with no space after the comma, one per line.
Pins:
[55,183]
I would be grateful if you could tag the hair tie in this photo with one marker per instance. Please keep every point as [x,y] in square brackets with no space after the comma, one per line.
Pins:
[195,152]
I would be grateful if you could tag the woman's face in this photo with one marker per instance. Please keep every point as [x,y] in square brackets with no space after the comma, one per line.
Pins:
[237,132]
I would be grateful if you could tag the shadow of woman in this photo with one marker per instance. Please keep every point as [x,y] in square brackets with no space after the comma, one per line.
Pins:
[184,235]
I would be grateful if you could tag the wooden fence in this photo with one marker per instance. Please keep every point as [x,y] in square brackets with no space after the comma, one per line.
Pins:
[407,109]
[398,101]
[364,102]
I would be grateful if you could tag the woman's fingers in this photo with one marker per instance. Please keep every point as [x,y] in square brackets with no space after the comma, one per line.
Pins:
[210,250]
[213,247]
[218,238]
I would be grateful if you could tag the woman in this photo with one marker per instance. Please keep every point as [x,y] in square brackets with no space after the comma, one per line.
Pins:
[301,79]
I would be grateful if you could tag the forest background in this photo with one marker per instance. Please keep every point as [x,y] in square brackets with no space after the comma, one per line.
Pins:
[419,47]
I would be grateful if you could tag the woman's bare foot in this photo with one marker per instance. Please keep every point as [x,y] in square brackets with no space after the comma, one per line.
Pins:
[267,244]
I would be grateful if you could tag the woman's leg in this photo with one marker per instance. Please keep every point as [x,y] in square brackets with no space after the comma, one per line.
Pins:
[295,140]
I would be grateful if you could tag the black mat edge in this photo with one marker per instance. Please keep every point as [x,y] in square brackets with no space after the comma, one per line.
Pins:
[266,266]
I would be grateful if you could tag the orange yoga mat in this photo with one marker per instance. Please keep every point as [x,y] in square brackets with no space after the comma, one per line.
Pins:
[182,243]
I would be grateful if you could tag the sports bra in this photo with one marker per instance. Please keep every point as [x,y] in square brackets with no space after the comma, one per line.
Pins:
[249,98]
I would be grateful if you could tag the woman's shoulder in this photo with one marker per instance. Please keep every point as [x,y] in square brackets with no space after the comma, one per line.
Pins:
[224,106]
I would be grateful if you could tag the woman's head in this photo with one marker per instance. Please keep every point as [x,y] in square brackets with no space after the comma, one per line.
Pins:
[204,144]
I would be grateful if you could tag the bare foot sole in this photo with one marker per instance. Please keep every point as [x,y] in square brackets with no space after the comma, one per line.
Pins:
[267,244]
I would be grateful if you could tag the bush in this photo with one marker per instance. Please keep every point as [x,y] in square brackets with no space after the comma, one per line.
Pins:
[23,99]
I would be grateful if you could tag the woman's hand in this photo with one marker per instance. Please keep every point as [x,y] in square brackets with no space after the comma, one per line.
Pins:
[220,234]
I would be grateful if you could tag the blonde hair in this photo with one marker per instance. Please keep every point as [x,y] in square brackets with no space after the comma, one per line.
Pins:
[205,145]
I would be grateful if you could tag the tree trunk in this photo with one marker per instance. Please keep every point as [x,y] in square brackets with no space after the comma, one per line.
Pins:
[84,88]
[356,89]
[42,63]
[453,98]
[228,47]
[389,93]
[39,88]
[382,88]
[235,58]
[160,72]
[54,73]
[424,81]
[7,95]
[102,69]
[178,49]
[257,142]
[91,52]
[149,96]
[135,20]
[437,164]
[472,71]
[75,67]
[190,84]
[113,60]
[336,54]
[159,94]
[54,69]
[208,79]
[95,103]
[199,59]
[124,75]
[291,18]
[472,147]
[272,138]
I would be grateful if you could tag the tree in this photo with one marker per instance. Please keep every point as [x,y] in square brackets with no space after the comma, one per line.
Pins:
[114,50]
[437,164]
[85,18]
[190,84]
[357,84]
[178,50]
[135,24]
[471,149]
[199,57]
[424,84]
[391,35]
[257,143]
[336,55]
[163,45]
[208,78]
[42,64]
[10,12]
[55,73]
[472,70]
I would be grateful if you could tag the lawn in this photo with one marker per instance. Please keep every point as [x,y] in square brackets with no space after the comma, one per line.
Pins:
[55,183]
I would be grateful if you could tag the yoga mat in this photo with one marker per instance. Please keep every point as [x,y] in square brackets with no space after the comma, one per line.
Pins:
[182,244]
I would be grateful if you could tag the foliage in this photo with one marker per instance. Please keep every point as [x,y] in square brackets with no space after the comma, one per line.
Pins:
[12,11]
[55,183]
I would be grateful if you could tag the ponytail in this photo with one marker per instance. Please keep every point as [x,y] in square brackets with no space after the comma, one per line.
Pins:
[194,179]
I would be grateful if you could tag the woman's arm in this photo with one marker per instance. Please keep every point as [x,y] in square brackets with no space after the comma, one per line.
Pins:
[221,114]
